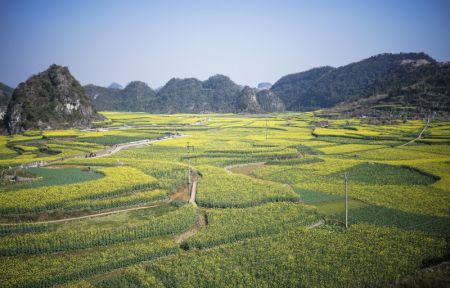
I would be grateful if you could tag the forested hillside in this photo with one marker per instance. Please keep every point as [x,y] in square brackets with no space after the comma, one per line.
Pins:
[412,79]
[384,73]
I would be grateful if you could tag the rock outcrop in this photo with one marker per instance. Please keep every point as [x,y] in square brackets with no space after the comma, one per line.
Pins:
[269,101]
[247,102]
[5,96]
[51,99]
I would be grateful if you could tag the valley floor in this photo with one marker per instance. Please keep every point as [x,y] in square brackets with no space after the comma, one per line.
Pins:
[266,205]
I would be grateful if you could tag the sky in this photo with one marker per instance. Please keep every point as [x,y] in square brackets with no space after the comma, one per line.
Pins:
[104,41]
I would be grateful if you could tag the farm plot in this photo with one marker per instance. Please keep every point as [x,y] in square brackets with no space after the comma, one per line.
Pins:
[117,181]
[277,224]
[220,189]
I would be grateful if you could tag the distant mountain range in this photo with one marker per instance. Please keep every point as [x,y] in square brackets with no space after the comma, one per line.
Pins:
[263,85]
[413,80]
[134,97]
[190,95]
[387,85]
[115,85]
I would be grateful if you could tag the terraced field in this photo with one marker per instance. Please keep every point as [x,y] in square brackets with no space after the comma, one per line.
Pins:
[268,210]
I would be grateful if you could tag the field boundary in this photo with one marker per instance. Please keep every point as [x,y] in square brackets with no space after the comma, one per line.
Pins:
[227,168]
[146,206]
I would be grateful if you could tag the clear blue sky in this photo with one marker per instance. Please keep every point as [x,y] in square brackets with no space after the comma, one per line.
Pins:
[250,41]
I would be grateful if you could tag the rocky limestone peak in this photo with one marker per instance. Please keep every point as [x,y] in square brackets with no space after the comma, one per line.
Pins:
[219,81]
[5,96]
[51,99]
[115,85]
[269,101]
[247,102]
[264,85]
[138,89]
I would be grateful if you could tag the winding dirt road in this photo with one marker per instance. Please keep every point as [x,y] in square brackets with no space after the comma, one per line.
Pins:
[129,145]
[104,152]
[425,127]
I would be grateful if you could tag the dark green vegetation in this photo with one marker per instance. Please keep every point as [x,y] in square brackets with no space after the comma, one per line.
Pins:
[435,276]
[382,216]
[290,87]
[136,96]
[396,86]
[216,94]
[52,98]
[310,197]
[60,176]
[406,79]
[376,173]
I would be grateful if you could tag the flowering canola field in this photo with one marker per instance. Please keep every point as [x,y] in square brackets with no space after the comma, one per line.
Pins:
[124,220]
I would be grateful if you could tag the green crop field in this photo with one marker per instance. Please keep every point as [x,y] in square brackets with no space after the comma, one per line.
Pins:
[268,208]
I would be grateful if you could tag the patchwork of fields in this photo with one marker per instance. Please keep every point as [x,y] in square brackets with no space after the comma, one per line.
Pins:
[276,223]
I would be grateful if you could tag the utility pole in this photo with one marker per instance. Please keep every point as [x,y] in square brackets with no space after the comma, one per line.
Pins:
[346,199]
[189,148]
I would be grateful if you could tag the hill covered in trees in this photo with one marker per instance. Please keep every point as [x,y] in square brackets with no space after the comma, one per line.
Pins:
[410,79]
[400,85]
[50,99]
[421,92]
[328,86]
[189,95]
[136,96]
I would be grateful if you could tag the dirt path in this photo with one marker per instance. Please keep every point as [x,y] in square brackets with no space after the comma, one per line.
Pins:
[317,224]
[199,223]
[150,205]
[230,167]
[104,152]
[134,144]
[425,127]
[241,169]
[193,193]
